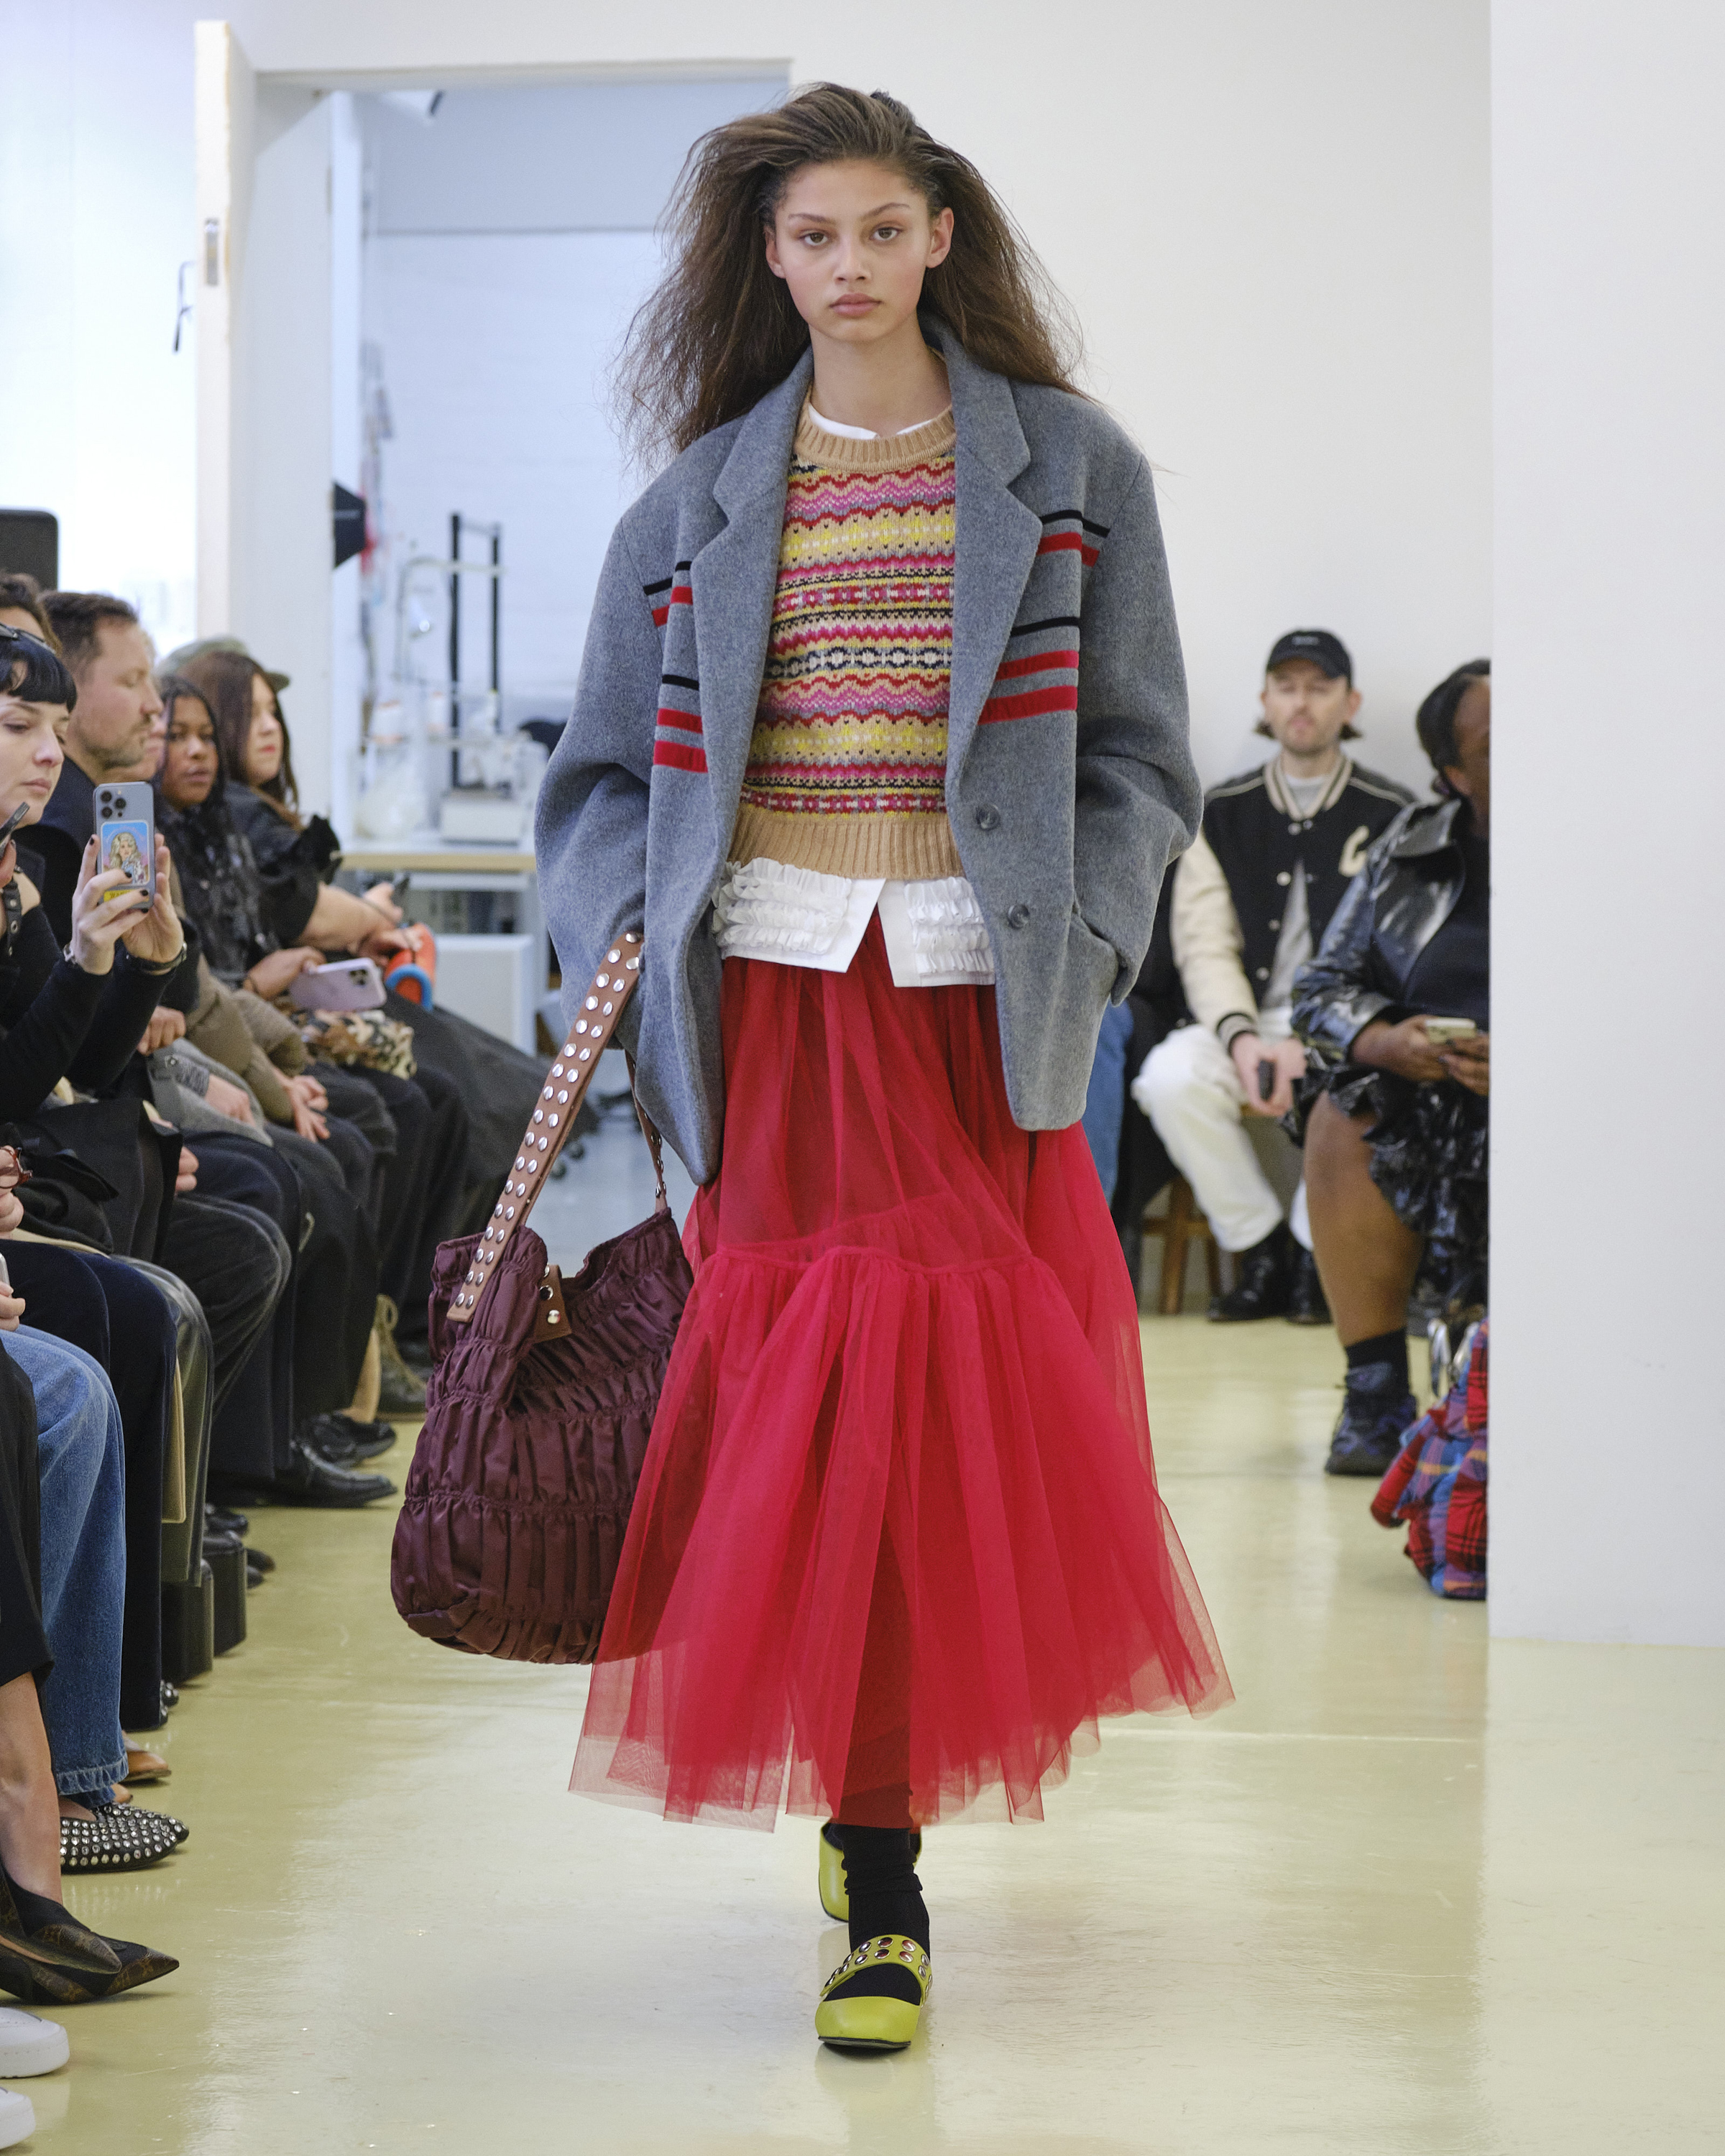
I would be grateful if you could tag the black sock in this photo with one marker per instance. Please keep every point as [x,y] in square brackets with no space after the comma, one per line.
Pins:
[881,1878]
[1390,1347]
[886,1896]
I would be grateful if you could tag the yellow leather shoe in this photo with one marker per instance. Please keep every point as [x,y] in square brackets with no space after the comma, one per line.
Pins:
[875,2021]
[834,1894]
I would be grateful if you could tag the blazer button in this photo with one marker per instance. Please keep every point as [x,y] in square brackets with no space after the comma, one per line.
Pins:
[1263,973]
[1274,924]
[988,816]
[1017,916]
[1284,877]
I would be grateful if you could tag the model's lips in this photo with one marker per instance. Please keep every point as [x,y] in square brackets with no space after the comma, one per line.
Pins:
[855,306]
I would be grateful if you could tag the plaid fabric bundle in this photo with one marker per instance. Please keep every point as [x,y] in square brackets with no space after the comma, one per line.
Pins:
[1437,1486]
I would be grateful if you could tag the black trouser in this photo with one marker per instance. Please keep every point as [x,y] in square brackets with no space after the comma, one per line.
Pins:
[23,1644]
[424,1184]
[334,1287]
[103,1305]
[233,1241]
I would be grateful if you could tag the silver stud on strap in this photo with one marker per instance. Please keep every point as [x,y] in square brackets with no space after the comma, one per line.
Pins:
[592,1003]
[585,1053]
[615,956]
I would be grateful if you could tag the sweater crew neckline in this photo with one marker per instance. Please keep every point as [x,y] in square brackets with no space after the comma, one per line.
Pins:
[816,444]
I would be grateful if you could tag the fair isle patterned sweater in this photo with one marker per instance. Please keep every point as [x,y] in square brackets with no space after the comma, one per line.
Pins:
[847,767]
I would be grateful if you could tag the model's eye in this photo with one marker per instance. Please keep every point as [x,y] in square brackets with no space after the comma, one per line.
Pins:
[887,231]
[815,239]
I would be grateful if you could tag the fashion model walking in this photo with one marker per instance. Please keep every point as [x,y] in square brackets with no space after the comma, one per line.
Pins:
[880,739]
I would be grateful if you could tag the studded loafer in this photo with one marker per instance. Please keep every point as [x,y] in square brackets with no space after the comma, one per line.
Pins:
[119,1838]
[834,1894]
[878,2018]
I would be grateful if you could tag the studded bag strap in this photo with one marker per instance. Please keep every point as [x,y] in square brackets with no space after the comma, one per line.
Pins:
[566,1084]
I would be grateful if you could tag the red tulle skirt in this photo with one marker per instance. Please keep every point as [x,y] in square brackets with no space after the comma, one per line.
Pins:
[897,1544]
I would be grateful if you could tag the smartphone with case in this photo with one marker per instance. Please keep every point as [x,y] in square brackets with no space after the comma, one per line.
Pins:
[349,984]
[126,830]
[1441,1031]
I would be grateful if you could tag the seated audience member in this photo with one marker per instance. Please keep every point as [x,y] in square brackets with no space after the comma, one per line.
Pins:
[233,906]
[1251,901]
[495,1086]
[339,1169]
[75,1015]
[242,1203]
[45,1953]
[1394,1111]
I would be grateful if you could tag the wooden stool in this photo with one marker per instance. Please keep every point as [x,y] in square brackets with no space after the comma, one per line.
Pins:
[1181,1226]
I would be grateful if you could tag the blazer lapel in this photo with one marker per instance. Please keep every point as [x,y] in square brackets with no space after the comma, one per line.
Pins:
[995,536]
[734,578]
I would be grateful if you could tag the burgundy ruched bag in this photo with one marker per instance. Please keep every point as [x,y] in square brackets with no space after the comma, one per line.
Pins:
[541,1397]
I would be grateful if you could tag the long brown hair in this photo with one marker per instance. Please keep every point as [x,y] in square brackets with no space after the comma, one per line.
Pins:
[224,679]
[722,330]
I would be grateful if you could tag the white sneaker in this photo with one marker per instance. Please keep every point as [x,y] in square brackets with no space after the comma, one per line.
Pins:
[28,2046]
[17,2117]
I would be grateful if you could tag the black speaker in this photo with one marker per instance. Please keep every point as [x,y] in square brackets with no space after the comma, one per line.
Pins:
[30,541]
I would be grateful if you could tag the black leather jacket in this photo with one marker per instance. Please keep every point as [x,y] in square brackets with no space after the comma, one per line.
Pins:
[1411,880]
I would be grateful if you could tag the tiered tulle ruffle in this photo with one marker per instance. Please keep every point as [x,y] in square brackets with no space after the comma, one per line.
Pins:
[898,1543]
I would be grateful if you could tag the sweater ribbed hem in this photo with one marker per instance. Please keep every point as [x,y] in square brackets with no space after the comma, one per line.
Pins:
[902,848]
[814,446]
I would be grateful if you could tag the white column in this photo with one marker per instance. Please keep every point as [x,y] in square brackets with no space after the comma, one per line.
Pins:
[1607,1409]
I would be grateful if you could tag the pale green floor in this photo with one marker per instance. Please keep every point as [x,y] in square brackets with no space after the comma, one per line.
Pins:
[1381,1905]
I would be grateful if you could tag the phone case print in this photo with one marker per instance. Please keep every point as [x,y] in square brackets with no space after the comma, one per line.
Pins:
[126,847]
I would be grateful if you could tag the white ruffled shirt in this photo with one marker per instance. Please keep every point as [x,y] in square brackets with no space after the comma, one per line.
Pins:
[933,927]
[935,934]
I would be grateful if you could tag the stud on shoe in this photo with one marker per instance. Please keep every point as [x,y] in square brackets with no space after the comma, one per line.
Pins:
[834,1893]
[118,1838]
[874,2000]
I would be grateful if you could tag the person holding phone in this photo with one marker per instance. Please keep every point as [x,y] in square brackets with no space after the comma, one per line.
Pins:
[1395,1011]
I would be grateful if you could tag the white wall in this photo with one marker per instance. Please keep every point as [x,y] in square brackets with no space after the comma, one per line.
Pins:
[97,410]
[1608,1487]
[1272,213]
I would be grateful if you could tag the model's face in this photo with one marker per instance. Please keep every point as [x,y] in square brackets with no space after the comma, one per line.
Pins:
[189,770]
[263,743]
[1471,776]
[853,242]
[1305,708]
[118,709]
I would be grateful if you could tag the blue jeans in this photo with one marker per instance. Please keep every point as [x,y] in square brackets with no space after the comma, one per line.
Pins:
[81,1449]
[1105,1104]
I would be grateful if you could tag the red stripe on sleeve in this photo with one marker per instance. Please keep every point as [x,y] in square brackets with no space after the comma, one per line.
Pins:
[1031,706]
[661,616]
[680,756]
[1039,662]
[682,596]
[685,719]
[1070,542]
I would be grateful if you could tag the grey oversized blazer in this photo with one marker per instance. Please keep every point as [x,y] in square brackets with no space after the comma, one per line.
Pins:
[1070,784]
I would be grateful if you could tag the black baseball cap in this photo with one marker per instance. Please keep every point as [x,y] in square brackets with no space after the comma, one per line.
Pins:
[1322,646]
